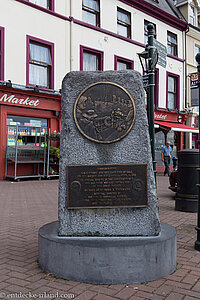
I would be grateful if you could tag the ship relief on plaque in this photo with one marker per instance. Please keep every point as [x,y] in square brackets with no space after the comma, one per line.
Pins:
[104,112]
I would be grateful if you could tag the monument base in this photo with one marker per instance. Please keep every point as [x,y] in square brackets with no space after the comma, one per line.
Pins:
[107,260]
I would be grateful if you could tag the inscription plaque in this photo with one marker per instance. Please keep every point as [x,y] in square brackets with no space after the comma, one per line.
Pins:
[104,112]
[107,186]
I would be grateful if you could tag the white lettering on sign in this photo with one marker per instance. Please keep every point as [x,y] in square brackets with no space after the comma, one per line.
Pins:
[15,100]
[160,116]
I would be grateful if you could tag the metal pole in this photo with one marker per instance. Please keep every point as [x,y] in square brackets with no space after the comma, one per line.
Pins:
[197,243]
[150,99]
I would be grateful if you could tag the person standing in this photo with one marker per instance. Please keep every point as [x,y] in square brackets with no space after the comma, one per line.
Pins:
[166,154]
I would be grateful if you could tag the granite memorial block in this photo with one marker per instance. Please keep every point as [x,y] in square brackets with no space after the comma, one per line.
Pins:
[107,185]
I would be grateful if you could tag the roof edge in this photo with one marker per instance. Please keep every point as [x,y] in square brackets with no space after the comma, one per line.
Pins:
[159,14]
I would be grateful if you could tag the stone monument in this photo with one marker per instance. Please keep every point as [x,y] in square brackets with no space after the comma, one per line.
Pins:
[108,230]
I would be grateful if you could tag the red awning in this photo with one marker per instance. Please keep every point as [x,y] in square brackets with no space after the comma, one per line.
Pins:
[177,127]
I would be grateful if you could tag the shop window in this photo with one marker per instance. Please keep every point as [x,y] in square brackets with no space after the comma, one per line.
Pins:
[91,12]
[172,91]
[172,47]
[121,63]
[26,121]
[192,15]
[146,31]
[49,4]
[91,59]
[123,23]
[1,53]
[40,63]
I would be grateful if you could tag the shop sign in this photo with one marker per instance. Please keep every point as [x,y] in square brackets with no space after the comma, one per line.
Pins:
[194,78]
[160,116]
[165,116]
[19,101]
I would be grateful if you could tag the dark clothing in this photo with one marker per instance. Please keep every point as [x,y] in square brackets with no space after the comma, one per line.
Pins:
[167,163]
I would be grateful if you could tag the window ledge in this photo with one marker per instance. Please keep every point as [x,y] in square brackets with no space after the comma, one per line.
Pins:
[46,10]
[176,57]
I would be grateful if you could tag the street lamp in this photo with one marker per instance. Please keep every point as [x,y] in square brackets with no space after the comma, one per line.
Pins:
[148,60]
[197,243]
[144,60]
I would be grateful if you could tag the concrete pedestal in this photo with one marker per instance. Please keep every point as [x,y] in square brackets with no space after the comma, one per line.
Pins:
[108,260]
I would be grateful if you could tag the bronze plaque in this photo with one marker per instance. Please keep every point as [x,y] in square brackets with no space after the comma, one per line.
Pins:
[107,186]
[104,112]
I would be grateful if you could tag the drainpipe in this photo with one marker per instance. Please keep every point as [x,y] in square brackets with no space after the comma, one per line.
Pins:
[187,30]
[186,89]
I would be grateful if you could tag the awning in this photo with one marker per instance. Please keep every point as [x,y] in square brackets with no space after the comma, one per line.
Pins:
[177,127]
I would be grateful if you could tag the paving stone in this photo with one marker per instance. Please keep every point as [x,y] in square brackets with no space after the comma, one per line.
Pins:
[36,204]
[174,296]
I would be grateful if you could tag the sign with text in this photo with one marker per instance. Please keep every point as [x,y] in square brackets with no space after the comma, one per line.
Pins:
[162,53]
[107,186]
[29,100]
[194,78]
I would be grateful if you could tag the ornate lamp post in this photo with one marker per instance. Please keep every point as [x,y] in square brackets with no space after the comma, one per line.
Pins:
[197,243]
[148,60]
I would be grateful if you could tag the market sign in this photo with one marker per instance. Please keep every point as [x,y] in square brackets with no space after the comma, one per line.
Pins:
[162,53]
[194,78]
[23,101]
[28,100]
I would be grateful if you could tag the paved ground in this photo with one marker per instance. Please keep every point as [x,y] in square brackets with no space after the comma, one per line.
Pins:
[25,206]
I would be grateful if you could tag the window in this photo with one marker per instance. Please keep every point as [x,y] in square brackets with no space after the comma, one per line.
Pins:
[1,53]
[40,65]
[172,91]
[172,43]
[123,23]
[44,3]
[91,12]
[121,63]
[192,15]
[91,59]
[146,31]
[196,50]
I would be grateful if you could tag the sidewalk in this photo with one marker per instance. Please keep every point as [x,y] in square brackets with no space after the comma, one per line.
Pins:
[26,206]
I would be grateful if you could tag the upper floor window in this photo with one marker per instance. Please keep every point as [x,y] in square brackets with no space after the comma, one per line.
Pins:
[40,66]
[91,12]
[1,53]
[91,59]
[44,3]
[172,47]
[146,31]
[121,63]
[192,15]
[196,50]
[172,91]
[123,23]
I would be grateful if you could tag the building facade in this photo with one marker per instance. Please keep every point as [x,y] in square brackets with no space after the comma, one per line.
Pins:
[42,40]
[191,12]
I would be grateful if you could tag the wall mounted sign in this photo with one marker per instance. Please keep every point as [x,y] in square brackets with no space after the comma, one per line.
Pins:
[194,78]
[104,112]
[107,186]
[15,100]
[19,98]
